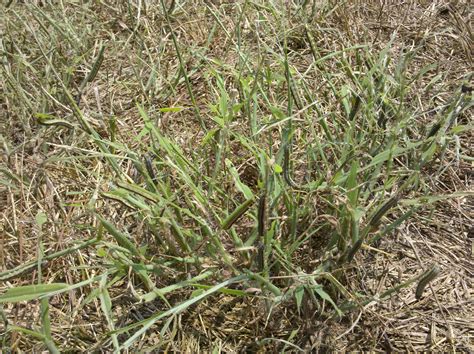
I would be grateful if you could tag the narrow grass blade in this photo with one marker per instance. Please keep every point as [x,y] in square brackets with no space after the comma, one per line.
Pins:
[30,292]
[237,213]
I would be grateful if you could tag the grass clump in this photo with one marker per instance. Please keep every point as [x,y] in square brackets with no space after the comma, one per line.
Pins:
[162,156]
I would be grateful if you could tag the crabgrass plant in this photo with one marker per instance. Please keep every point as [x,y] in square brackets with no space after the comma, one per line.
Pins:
[298,164]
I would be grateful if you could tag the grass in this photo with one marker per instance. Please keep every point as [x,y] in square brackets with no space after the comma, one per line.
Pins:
[228,176]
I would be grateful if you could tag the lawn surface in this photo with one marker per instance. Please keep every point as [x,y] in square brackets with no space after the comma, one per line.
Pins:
[236,175]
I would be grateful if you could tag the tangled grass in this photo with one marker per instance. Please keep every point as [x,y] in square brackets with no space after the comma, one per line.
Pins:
[240,175]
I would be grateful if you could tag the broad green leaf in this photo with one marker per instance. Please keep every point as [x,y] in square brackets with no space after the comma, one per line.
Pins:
[41,218]
[391,153]
[325,296]
[277,168]
[170,109]
[233,292]
[428,154]
[277,112]
[101,252]
[106,305]
[435,198]
[457,129]
[121,238]
[299,293]
[30,292]
[237,213]
[241,187]
[209,135]
[46,119]
[353,192]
